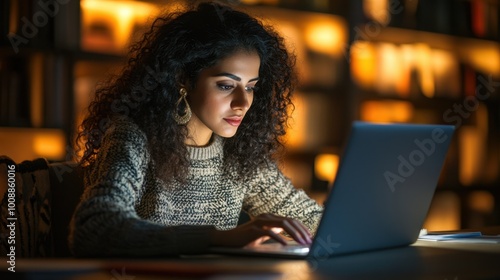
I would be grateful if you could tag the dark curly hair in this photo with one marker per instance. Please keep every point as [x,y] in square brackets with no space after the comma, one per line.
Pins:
[173,52]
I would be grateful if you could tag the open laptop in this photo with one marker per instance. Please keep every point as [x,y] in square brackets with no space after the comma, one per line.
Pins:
[381,195]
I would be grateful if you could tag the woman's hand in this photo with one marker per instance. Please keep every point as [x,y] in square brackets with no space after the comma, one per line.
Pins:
[259,229]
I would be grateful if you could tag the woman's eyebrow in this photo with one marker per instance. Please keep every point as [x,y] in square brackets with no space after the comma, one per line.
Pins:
[234,77]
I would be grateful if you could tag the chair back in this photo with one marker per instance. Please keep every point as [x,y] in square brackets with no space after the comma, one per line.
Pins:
[38,206]
[66,182]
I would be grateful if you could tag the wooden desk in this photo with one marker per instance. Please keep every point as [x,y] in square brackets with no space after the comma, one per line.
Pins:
[422,260]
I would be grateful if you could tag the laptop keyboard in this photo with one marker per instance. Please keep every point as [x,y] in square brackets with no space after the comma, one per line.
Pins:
[292,247]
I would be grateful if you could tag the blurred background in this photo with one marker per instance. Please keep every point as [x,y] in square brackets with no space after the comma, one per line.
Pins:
[392,61]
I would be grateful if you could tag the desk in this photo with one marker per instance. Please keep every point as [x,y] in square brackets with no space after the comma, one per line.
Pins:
[422,260]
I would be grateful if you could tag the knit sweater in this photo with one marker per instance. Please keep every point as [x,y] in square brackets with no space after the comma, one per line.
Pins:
[126,210]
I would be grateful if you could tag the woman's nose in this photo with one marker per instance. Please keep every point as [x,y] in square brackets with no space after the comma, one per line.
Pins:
[241,99]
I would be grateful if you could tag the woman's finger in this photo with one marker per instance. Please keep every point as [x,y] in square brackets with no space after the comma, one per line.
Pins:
[293,227]
[303,230]
[276,236]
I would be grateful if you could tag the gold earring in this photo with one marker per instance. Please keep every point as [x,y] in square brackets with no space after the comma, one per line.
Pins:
[186,115]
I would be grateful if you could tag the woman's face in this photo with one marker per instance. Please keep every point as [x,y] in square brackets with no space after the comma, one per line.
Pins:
[222,96]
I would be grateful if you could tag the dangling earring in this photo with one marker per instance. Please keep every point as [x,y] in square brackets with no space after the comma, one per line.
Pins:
[186,116]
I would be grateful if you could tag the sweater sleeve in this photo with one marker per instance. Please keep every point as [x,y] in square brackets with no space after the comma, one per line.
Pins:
[271,192]
[105,222]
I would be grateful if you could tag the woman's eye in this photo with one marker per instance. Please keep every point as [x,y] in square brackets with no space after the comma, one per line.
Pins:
[225,87]
[250,89]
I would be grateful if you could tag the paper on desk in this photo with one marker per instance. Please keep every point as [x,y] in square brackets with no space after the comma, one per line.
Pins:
[449,236]
[481,239]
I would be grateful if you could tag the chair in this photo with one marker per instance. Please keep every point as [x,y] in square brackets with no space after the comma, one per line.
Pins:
[66,180]
[46,197]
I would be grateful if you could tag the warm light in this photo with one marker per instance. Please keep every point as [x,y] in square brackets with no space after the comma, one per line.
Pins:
[49,144]
[110,24]
[446,72]
[389,69]
[311,123]
[293,41]
[377,10]
[318,40]
[424,66]
[484,57]
[30,143]
[384,66]
[481,201]
[408,61]
[469,145]
[124,25]
[444,213]
[325,35]
[363,63]
[295,135]
[386,111]
[325,167]
[473,153]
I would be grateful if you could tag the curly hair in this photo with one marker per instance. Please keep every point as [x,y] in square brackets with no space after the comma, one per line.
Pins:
[173,52]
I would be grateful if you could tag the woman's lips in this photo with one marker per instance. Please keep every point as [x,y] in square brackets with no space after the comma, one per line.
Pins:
[234,121]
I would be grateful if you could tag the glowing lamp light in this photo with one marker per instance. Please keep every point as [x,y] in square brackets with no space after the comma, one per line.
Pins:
[363,63]
[481,201]
[295,136]
[325,167]
[30,143]
[377,10]
[424,66]
[387,111]
[117,17]
[49,145]
[486,59]
[389,68]
[325,36]
[444,213]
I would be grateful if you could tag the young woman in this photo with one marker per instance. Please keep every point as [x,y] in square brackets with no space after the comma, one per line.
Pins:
[185,138]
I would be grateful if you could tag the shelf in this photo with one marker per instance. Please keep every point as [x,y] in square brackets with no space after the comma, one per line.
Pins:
[481,54]
[49,143]
[85,55]
[326,102]
[435,40]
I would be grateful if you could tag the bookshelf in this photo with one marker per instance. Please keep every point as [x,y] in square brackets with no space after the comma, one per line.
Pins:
[436,62]
[382,60]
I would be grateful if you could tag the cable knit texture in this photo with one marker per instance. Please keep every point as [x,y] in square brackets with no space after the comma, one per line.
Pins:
[127,211]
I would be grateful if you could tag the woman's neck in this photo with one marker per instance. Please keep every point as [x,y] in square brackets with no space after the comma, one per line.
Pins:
[199,141]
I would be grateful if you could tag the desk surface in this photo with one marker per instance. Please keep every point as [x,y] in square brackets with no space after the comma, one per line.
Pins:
[422,260]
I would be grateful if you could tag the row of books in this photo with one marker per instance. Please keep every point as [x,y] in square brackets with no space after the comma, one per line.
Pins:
[33,92]
[467,18]
[39,24]
[14,92]
[418,70]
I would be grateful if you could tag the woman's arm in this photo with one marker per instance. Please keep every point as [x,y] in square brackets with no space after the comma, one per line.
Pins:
[261,228]
[271,192]
[105,222]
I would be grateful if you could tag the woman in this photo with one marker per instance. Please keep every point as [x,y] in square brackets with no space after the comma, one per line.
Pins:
[184,139]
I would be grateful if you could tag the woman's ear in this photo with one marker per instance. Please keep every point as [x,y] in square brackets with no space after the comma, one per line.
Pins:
[183,81]
[187,85]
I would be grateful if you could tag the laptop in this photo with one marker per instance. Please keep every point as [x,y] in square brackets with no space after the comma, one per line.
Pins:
[381,195]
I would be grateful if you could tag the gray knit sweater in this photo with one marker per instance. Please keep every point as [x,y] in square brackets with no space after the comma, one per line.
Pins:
[127,211]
